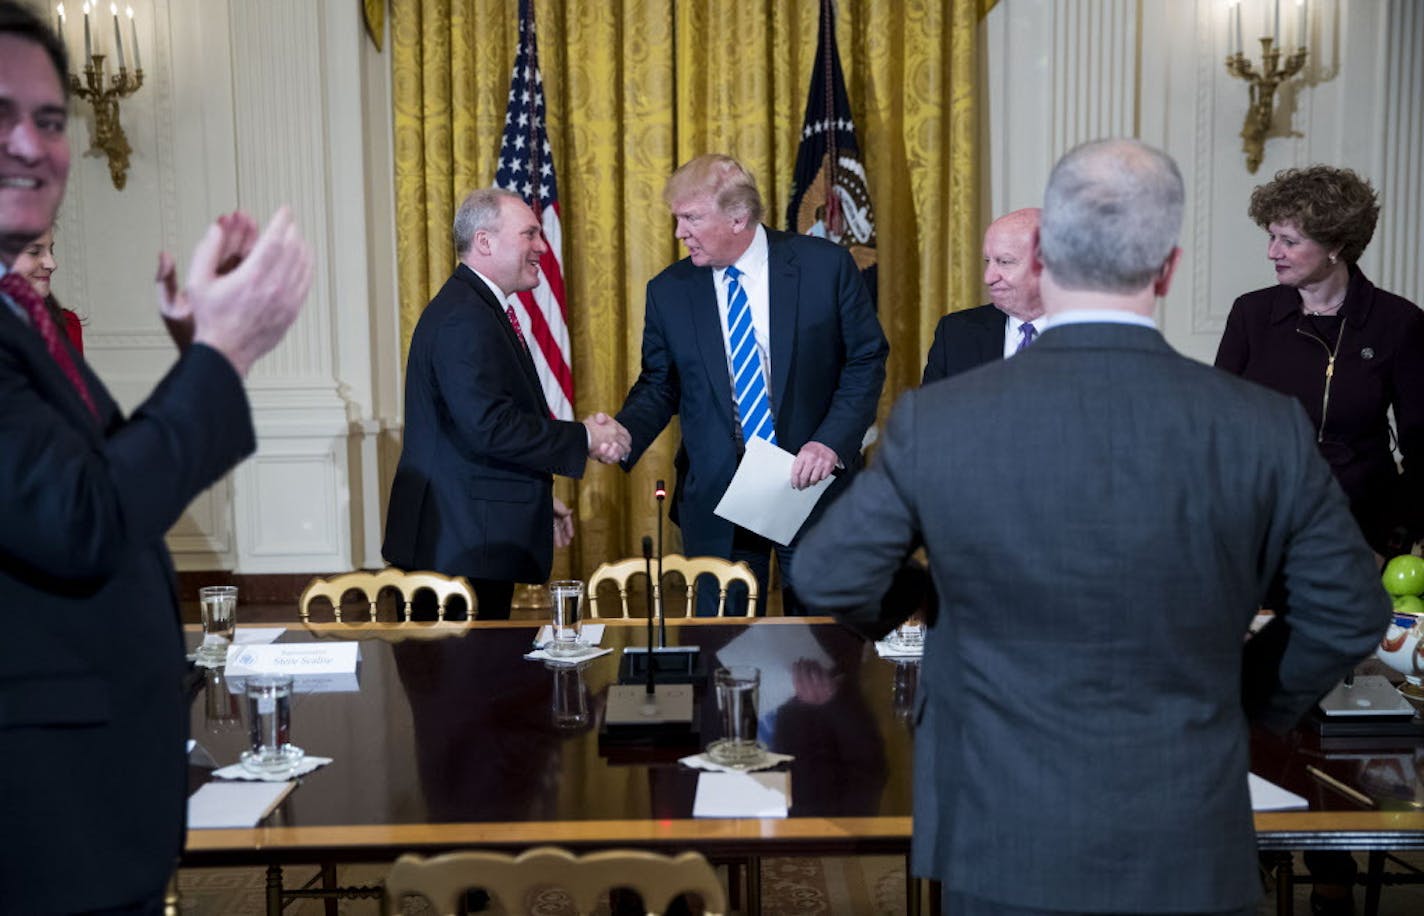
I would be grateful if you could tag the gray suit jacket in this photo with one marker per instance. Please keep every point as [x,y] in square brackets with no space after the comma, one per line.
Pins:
[1102,517]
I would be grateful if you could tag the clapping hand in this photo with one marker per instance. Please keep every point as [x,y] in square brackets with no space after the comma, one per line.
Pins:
[243,290]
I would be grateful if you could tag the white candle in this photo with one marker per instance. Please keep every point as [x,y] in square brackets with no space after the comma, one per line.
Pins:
[88,44]
[1234,22]
[133,31]
[1276,24]
[118,36]
[1302,34]
[59,21]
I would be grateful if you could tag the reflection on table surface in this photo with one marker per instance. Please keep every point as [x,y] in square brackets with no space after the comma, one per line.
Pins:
[461,741]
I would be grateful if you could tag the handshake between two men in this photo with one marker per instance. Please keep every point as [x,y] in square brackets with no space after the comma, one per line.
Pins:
[608,441]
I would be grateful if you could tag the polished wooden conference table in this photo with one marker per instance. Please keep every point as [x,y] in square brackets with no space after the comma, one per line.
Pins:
[453,743]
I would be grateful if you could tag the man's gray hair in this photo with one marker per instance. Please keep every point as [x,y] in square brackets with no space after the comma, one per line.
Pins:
[480,210]
[1111,216]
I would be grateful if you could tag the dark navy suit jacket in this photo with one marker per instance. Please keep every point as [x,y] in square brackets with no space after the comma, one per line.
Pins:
[827,370]
[93,715]
[473,492]
[963,340]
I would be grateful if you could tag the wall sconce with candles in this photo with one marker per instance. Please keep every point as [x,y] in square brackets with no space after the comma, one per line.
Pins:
[1273,72]
[109,135]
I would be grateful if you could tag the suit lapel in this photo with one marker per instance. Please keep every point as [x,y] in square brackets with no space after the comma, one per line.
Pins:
[991,342]
[521,354]
[782,276]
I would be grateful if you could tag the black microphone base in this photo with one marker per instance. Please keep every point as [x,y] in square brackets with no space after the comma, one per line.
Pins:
[671,665]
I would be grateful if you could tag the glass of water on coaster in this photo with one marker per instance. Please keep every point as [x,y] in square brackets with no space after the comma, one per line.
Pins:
[738,687]
[567,622]
[269,725]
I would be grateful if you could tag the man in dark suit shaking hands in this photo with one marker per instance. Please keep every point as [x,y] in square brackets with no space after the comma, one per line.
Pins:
[93,716]
[1082,743]
[1014,316]
[474,490]
[785,317]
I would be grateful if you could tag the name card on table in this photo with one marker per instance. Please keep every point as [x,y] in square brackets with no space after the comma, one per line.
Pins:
[314,667]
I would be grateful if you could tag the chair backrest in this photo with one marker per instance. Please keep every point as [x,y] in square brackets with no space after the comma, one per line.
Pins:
[619,573]
[724,571]
[690,568]
[443,880]
[370,584]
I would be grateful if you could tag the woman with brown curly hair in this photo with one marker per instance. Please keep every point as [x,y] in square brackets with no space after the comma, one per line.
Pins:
[1348,351]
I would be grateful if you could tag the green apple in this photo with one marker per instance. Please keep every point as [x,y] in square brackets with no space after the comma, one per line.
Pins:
[1409,604]
[1404,575]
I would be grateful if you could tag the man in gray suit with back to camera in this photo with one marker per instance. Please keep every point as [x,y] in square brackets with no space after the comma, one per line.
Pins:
[1082,740]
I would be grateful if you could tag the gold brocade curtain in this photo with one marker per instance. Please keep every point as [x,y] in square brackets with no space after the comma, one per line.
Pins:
[636,87]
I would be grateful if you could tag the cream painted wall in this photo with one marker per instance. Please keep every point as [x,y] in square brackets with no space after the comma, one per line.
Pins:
[1065,71]
[257,102]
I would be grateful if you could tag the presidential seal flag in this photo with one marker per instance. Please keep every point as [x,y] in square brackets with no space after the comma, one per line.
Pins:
[526,167]
[829,194]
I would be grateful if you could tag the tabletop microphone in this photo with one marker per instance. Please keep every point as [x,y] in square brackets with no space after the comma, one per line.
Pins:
[660,494]
[648,568]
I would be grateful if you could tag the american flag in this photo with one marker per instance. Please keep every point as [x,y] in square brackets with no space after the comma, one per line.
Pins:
[526,167]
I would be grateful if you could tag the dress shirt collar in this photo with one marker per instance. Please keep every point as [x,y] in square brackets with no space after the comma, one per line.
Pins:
[753,260]
[1097,316]
[500,295]
[12,306]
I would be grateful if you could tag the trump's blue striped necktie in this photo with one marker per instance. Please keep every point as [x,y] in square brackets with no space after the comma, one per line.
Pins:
[753,406]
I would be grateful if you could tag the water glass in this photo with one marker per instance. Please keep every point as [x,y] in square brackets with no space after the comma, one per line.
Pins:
[567,622]
[570,698]
[218,604]
[222,709]
[737,688]
[269,725]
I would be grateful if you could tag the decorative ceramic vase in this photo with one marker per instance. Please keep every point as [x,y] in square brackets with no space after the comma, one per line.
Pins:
[1402,649]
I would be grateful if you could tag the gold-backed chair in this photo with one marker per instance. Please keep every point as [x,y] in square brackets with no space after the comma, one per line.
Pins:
[690,568]
[658,879]
[371,584]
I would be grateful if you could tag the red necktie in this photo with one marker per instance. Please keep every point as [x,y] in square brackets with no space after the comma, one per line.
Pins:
[514,321]
[24,295]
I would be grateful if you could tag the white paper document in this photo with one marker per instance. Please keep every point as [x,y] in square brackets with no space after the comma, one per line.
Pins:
[760,497]
[1267,796]
[773,650]
[234,804]
[742,795]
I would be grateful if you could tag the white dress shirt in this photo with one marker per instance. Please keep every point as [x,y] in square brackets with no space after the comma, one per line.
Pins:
[1012,337]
